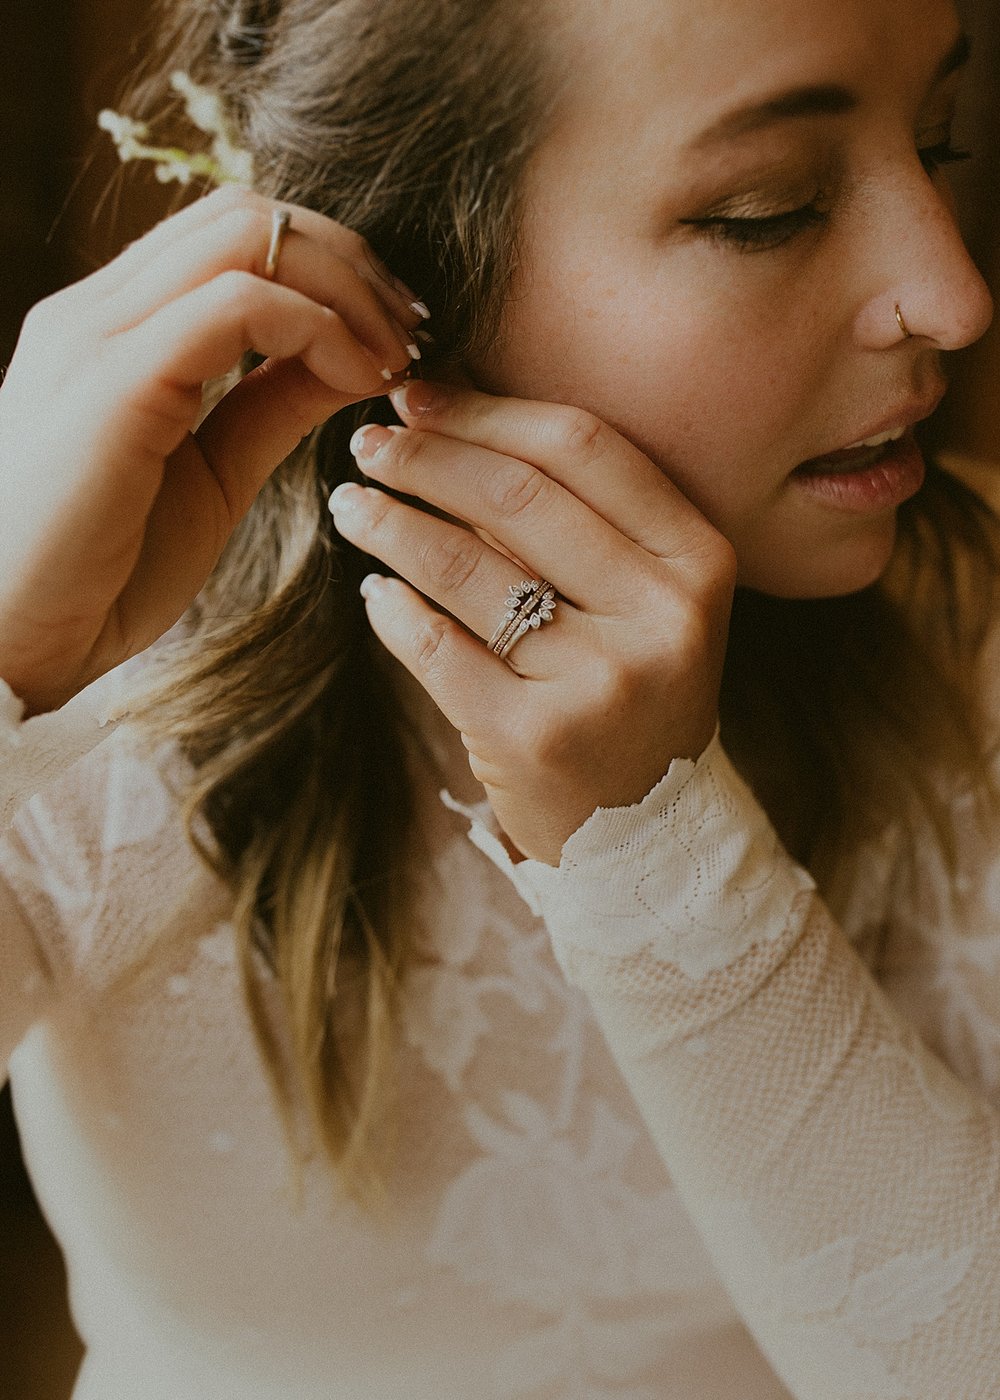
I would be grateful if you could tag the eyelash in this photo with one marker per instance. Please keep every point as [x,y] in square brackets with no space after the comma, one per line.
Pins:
[762,235]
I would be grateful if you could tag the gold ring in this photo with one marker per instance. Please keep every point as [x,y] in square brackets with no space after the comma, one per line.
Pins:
[281,222]
[907,333]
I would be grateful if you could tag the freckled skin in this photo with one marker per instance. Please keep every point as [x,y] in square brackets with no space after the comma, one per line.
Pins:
[730,368]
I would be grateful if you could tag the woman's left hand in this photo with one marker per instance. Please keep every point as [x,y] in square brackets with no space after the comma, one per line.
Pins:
[590,709]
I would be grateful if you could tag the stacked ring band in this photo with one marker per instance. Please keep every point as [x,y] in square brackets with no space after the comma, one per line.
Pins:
[530,603]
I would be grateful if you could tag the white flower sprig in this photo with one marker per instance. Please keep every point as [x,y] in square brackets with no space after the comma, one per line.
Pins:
[225,164]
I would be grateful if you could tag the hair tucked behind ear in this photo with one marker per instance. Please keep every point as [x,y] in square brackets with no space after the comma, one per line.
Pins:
[409,121]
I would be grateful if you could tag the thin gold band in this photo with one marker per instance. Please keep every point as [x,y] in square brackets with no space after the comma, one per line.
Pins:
[281,222]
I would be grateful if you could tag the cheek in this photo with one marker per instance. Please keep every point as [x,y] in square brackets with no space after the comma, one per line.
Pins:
[709,387]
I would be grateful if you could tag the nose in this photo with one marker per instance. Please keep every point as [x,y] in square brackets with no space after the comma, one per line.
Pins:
[928,273]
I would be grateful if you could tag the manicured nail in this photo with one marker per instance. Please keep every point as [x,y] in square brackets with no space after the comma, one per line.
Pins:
[345,497]
[369,440]
[387,374]
[372,587]
[415,397]
[420,309]
[413,351]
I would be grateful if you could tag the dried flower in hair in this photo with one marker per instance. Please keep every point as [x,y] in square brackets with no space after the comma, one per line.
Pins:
[225,164]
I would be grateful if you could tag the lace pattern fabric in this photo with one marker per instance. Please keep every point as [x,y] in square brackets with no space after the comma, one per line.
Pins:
[672,1129]
[36,751]
[843,1178]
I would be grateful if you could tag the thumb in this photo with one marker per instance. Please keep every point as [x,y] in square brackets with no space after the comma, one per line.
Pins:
[261,420]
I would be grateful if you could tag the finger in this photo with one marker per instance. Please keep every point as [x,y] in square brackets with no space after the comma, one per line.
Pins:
[158,368]
[465,680]
[238,241]
[586,456]
[529,514]
[148,383]
[108,280]
[199,218]
[448,564]
[262,419]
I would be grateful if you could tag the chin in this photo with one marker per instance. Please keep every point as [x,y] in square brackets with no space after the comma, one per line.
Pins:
[831,572]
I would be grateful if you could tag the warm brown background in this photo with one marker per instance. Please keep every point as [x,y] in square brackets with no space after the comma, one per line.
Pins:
[57,221]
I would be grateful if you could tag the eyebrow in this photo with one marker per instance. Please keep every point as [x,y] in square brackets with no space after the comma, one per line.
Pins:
[818,100]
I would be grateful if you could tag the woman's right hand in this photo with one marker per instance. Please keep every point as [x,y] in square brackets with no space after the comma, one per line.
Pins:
[116,506]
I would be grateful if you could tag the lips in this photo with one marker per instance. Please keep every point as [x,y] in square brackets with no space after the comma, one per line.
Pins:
[873,445]
[867,481]
[848,459]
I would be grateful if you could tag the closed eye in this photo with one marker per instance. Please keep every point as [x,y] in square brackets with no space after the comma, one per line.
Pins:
[771,231]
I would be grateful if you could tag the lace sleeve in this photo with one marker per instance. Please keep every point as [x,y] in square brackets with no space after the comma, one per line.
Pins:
[34,753]
[844,1180]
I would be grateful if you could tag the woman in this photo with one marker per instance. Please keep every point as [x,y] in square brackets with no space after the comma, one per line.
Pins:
[625,1112]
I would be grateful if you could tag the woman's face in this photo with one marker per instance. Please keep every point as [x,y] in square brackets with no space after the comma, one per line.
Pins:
[718,233]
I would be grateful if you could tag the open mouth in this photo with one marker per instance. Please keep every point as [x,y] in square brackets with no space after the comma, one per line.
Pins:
[859,458]
[875,475]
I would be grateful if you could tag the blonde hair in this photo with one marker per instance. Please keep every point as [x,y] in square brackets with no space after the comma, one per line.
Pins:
[411,121]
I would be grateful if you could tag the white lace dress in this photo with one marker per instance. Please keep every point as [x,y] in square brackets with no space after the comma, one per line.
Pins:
[662,1136]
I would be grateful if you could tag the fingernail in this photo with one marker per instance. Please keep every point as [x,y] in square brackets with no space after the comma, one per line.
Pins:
[415,397]
[420,309]
[413,351]
[372,587]
[345,497]
[368,441]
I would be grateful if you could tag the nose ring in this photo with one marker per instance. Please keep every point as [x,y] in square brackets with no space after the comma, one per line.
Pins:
[907,333]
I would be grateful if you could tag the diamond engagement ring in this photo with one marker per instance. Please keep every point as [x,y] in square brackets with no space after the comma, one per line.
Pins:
[529,604]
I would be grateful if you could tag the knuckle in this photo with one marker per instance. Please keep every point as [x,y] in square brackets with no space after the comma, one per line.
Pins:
[231,196]
[578,433]
[688,637]
[726,565]
[428,645]
[404,450]
[242,227]
[356,250]
[514,488]
[714,559]
[453,562]
[380,508]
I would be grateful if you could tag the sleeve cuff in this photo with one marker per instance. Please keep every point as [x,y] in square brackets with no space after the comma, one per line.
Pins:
[695,871]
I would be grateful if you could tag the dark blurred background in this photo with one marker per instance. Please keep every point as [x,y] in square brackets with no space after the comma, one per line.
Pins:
[64,211]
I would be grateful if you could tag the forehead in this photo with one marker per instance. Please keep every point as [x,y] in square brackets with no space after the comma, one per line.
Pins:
[716,52]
